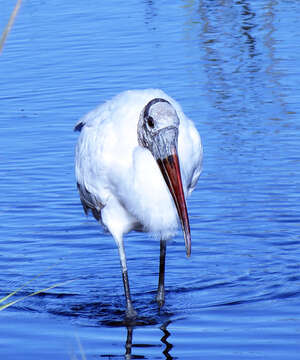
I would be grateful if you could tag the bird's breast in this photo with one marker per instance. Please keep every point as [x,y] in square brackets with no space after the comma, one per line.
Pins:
[144,193]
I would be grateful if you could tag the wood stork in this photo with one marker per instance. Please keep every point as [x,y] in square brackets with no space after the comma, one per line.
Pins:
[137,158]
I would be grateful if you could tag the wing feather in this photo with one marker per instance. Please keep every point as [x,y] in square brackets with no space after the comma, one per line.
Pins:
[89,202]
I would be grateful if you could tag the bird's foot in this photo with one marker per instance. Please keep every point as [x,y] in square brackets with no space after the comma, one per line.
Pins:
[131,314]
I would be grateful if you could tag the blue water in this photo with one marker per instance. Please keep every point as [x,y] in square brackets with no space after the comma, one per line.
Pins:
[234,67]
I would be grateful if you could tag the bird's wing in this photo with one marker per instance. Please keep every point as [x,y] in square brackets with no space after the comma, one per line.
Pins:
[89,202]
[190,150]
[196,159]
[104,153]
[90,173]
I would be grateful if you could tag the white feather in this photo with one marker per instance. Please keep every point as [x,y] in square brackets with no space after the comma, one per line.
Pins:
[123,178]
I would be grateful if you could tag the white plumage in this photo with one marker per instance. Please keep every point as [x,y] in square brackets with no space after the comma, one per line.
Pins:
[119,180]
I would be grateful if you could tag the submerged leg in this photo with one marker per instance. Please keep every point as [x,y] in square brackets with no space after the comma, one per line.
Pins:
[160,298]
[130,312]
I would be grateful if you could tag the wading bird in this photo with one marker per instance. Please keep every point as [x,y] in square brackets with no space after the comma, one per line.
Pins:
[137,158]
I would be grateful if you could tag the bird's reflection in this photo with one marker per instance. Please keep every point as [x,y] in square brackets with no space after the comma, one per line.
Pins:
[164,339]
[128,345]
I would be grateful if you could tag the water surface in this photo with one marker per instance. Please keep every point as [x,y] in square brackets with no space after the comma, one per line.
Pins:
[234,67]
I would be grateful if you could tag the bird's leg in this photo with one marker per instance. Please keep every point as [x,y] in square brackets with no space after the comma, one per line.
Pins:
[160,297]
[130,312]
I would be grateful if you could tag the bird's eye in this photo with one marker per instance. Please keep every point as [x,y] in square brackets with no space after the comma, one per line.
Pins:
[150,121]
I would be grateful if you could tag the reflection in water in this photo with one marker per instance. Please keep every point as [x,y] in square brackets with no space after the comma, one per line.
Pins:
[230,61]
[239,66]
[128,344]
[167,345]
[150,11]
[247,25]
[164,340]
[272,68]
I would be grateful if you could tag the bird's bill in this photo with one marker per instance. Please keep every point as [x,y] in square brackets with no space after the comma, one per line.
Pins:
[169,166]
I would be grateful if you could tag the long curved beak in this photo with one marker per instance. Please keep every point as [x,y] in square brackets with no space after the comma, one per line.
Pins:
[168,163]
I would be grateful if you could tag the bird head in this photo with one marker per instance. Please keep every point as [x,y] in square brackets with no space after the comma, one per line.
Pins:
[158,132]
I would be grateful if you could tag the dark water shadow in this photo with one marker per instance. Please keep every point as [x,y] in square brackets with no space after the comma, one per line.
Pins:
[110,313]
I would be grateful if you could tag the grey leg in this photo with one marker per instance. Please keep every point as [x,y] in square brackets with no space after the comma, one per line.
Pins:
[160,298]
[130,312]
